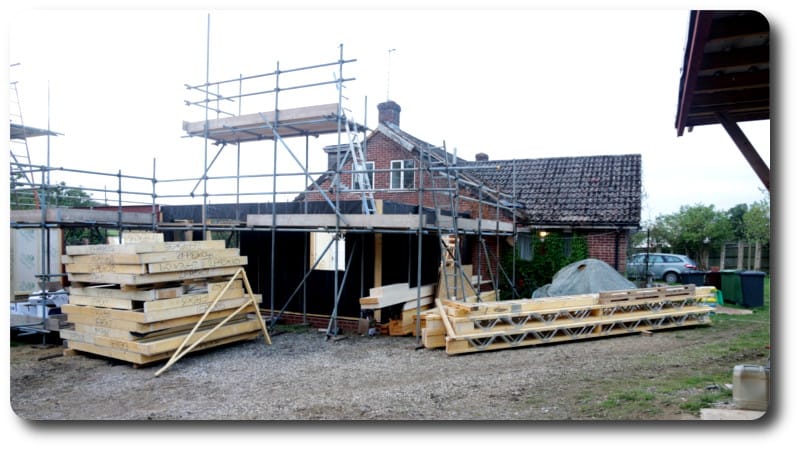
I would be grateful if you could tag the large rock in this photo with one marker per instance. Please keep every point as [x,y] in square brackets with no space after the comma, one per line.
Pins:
[586,276]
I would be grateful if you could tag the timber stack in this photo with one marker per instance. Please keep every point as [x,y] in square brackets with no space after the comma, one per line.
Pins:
[462,327]
[140,300]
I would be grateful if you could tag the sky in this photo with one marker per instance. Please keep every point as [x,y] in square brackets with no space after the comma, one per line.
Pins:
[511,82]
[530,83]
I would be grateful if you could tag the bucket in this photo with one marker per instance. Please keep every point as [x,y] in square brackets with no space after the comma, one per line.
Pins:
[751,387]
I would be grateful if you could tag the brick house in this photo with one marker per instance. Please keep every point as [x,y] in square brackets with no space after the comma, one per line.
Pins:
[598,197]
[594,196]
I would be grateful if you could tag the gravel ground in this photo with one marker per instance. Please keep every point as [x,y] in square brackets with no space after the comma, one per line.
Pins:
[304,376]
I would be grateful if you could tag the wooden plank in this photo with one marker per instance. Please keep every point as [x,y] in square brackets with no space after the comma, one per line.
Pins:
[152,316]
[445,320]
[143,247]
[153,257]
[131,269]
[387,221]
[103,331]
[141,295]
[196,264]
[85,316]
[249,121]
[104,302]
[192,300]
[130,237]
[76,215]
[155,346]
[134,280]
[394,294]
[136,358]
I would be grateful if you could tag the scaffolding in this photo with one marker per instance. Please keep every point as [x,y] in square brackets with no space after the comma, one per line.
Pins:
[225,123]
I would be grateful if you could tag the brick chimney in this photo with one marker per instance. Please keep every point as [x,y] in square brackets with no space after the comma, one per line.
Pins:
[389,111]
[481,157]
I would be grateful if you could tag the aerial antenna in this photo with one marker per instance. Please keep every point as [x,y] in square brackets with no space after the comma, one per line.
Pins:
[389,71]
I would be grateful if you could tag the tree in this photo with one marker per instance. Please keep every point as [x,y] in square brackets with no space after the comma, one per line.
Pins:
[58,195]
[695,230]
[736,218]
[756,222]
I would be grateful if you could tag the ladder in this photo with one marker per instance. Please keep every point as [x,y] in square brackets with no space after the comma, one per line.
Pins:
[20,153]
[360,172]
[445,194]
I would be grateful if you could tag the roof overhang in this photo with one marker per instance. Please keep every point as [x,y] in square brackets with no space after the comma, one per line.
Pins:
[725,70]
[726,76]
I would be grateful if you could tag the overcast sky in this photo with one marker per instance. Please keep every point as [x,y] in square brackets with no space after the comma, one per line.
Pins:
[512,84]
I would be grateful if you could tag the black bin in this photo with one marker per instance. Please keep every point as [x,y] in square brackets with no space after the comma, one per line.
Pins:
[714,278]
[752,288]
[695,277]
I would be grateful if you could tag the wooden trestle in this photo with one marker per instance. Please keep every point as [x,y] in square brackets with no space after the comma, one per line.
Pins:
[472,327]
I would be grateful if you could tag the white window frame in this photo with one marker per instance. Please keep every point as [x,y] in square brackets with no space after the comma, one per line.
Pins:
[403,170]
[371,173]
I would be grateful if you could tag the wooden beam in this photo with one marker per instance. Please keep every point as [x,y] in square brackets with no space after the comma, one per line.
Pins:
[377,266]
[401,221]
[748,151]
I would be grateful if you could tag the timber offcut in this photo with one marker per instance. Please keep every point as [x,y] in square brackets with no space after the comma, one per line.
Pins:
[146,299]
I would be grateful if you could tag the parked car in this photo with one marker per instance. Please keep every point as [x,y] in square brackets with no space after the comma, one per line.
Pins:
[661,266]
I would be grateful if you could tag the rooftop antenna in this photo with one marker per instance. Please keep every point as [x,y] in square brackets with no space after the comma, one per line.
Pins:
[389,71]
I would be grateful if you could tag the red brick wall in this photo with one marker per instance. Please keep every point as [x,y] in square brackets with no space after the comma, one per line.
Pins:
[602,245]
[382,151]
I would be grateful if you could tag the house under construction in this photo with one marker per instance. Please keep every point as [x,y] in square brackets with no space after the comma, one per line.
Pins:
[361,223]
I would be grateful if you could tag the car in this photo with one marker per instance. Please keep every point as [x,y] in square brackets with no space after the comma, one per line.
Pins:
[661,266]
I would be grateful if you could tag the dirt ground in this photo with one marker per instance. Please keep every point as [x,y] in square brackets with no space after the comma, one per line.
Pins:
[304,376]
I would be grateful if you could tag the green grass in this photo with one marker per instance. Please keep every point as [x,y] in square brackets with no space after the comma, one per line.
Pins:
[640,397]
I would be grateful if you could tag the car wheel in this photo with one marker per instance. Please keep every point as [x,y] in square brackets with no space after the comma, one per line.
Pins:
[671,277]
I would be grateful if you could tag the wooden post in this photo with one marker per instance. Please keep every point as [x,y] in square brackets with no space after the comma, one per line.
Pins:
[739,255]
[378,265]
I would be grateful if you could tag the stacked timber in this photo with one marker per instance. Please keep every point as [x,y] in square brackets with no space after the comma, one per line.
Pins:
[401,299]
[141,300]
[462,327]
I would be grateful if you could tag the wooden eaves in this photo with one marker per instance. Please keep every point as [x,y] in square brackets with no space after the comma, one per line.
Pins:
[725,77]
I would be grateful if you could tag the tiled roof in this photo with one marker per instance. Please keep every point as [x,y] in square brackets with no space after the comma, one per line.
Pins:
[573,191]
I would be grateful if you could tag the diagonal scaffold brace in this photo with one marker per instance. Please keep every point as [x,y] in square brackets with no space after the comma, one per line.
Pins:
[182,350]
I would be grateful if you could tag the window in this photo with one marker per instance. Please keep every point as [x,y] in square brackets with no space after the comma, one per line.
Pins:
[320,241]
[525,247]
[370,166]
[403,174]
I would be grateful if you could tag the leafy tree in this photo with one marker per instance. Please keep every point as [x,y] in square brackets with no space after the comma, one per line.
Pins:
[695,229]
[58,195]
[736,218]
[756,222]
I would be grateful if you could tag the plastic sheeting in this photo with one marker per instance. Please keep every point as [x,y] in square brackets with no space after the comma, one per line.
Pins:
[586,276]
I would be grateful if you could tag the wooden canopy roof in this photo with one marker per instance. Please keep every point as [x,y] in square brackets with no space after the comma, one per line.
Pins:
[726,76]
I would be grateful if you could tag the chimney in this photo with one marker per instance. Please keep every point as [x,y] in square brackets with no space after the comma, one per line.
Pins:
[389,111]
[481,157]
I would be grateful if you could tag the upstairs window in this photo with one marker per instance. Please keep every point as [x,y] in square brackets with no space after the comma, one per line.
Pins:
[402,174]
[370,166]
